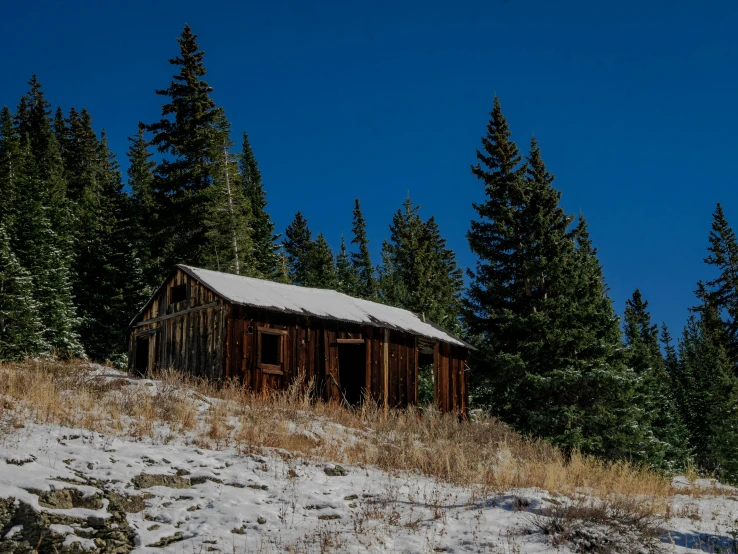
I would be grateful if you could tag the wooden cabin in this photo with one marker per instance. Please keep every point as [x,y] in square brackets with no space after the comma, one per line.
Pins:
[266,334]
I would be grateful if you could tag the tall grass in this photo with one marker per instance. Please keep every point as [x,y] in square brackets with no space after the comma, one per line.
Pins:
[484,453]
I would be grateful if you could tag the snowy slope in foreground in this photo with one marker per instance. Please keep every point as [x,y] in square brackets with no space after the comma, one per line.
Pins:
[277,503]
[90,491]
[238,503]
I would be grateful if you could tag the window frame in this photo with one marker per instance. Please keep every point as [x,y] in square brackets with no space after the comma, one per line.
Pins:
[181,286]
[270,369]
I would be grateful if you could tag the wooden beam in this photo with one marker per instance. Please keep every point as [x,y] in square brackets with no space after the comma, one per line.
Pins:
[272,331]
[177,314]
[386,370]
[271,369]
[349,341]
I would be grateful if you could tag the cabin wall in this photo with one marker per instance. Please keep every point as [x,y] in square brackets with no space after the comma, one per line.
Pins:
[208,337]
[188,335]
[450,378]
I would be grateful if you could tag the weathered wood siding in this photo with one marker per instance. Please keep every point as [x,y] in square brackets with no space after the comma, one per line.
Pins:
[206,336]
[187,335]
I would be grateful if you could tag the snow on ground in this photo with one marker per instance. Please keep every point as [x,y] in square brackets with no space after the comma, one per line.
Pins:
[189,499]
[230,502]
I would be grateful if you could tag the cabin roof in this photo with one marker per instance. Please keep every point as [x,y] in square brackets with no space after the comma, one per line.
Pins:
[320,303]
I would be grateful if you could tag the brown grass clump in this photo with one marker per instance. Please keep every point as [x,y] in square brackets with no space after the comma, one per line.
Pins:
[484,454]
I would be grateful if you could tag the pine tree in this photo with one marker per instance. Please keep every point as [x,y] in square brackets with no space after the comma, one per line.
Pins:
[265,258]
[709,398]
[345,274]
[666,438]
[322,272]
[42,238]
[550,352]
[298,246]
[108,283]
[21,330]
[361,260]
[143,209]
[418,272]
[185,135]
[228,212]
[9,159]
[723,290]
[34,127]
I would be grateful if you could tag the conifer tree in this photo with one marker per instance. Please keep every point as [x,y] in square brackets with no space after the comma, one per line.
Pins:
[184,135]
[9,159]
[21,330]
[418,272]
[345,274]
[107,280]
[550,353]
[723,290]
[42,237]
[322,265]
[666,437]
[228,212]
[143,209]
[361,260]
[709,393]
[265,258]
[298,247]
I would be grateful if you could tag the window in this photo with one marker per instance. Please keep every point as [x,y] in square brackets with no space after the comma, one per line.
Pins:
[270,350]
[178,293]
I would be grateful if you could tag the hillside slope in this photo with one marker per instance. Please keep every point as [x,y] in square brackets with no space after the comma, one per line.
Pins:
[115,481]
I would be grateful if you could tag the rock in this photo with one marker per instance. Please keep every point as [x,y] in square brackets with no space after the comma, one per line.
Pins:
[166,541]
[351,497]
[260,520]
[110,535]
[329,516]
[146,480]
[334,470]
[65,499]
[203,479]
[130,504]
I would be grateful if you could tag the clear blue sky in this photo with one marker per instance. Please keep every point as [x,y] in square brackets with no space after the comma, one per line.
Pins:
[633,103]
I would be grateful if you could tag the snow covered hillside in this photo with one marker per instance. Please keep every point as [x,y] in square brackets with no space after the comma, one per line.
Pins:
[88,488]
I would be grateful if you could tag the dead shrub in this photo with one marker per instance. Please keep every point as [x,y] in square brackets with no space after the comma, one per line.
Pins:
[621,525]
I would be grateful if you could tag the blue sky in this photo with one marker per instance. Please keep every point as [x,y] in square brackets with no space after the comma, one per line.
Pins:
[633,104]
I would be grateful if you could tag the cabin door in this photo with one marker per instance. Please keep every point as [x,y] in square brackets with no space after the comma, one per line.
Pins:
[352,371]
[142,355]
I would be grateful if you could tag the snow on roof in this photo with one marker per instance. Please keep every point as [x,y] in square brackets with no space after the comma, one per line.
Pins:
[328,304]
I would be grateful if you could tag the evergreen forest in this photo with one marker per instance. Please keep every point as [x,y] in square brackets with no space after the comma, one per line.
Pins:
[84,244]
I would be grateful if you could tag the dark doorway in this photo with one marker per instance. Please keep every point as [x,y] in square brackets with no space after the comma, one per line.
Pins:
[425,378]
[352,371]
[142,355]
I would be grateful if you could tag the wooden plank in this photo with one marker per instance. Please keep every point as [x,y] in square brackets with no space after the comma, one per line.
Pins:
[452,384]
[385,362]
[368,368]
[436,375]
[229,332]
[301,347]
[349,341]
[401,378]
[272,331]
[170,316]
[271,369]
[416,370]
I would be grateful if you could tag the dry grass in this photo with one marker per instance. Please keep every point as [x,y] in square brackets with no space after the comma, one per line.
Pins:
[613,526]
[485,454]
